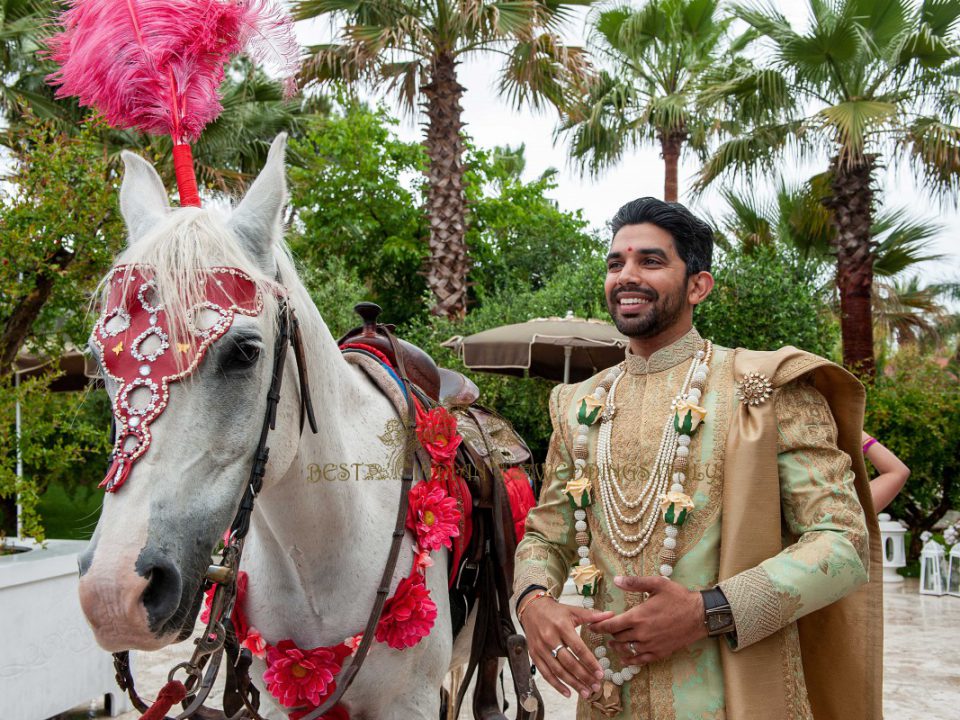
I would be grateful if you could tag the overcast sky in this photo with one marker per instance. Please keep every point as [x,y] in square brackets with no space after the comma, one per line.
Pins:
[490,121]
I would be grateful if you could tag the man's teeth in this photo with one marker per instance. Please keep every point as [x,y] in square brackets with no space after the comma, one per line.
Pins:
[634,301]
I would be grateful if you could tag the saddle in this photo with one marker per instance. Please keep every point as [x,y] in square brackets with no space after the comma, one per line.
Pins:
[484,576]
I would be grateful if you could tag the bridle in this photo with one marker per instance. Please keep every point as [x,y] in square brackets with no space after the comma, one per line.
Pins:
[241,698]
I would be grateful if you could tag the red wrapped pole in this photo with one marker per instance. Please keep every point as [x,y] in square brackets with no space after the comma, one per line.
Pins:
[169,695]
[186,178]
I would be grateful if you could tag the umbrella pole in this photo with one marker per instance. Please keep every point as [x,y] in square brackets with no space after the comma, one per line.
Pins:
[567,353]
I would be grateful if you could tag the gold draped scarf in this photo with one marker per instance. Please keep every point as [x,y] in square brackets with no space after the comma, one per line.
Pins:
[841,644]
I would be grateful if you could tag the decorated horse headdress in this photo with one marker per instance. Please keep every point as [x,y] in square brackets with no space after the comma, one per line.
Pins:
[156,66]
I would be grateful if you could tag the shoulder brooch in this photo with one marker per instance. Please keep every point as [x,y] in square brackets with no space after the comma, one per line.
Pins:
[754,388]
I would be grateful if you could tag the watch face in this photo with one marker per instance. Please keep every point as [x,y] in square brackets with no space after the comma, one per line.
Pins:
[720,622]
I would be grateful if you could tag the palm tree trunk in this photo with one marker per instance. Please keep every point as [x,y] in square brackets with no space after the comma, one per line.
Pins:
[670,146]
[852,205]
[446,205]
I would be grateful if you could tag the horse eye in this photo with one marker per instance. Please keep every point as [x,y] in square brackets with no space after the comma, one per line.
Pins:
[241,356]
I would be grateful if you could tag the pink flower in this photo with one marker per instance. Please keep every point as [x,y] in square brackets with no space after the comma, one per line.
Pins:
[255,643]
[296,676]
[434,517]
[353,642]
[437,432]
[408,616]
[422,561]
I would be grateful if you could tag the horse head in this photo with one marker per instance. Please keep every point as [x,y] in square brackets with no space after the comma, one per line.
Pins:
[186,343]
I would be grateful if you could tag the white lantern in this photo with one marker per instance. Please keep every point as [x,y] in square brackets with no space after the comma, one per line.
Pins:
[894,550]
[932,561]
[953,572]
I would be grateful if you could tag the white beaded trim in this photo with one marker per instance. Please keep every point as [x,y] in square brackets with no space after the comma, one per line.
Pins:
[612,496]
[150,357]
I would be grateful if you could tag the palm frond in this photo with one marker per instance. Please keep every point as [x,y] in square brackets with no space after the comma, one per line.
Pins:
[934,148]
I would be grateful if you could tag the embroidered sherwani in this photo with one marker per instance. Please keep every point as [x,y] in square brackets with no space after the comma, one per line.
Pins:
[823,550]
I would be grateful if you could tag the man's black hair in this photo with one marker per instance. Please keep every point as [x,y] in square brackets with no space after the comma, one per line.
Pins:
[692,237]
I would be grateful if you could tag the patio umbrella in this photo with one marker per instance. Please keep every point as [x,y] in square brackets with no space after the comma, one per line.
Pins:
[569,349]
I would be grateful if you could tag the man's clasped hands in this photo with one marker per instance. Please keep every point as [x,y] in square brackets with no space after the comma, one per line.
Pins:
[670,618]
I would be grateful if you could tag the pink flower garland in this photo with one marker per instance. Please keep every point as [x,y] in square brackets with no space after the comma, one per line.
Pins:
[298,677]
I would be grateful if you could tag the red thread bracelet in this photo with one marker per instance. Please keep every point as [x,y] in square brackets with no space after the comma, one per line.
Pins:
[536,596]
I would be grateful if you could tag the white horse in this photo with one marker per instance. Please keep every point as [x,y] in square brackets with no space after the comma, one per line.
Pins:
[316,547]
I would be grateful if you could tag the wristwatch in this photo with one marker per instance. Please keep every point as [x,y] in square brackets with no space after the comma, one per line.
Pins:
[717,615]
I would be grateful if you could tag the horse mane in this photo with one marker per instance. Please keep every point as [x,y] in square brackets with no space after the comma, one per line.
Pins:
[189,240]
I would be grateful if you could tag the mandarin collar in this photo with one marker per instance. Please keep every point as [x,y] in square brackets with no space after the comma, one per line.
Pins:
[666,357]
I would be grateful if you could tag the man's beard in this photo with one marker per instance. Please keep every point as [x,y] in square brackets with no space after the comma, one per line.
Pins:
[662,312]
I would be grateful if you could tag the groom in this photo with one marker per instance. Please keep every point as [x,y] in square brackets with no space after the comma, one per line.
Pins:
[714,508]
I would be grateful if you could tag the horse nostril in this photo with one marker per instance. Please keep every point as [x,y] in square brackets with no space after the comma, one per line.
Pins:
[162,595]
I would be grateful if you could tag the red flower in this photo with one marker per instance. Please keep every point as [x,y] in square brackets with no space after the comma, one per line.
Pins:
[208,603]
[433,516]
[422,561]
[296,676]
[255,643]
[437,433]
[339,712]
[408,616]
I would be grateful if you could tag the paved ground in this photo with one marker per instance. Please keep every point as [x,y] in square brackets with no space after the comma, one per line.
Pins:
[920,675]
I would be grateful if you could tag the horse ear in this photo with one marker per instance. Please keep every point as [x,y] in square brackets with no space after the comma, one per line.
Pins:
[257,221]
[143,199]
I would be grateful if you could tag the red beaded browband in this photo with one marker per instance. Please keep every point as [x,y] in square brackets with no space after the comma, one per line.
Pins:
[133,337]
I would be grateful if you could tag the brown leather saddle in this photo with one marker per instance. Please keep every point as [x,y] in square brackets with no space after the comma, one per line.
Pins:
[484,578]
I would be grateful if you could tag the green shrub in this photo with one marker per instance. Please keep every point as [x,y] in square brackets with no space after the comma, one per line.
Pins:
[915,411]
[766,299]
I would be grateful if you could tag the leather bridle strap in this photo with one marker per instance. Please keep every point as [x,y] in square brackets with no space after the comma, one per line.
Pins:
[346,677]
[288,333]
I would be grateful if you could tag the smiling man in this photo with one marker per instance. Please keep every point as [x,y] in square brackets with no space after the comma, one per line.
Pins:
[710,504]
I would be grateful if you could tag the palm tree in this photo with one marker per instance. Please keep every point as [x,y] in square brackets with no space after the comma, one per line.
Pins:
[656,60]
[412,48]
[868,81]
[22,70]
[228,153]
[904,310]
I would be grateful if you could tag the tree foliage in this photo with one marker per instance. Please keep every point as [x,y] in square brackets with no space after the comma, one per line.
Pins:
[867,82]
[357,195]
[914,409]
[59,231]
[766,299]
[411,50]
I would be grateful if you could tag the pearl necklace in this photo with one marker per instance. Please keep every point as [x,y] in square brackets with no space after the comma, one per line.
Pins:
[670,465]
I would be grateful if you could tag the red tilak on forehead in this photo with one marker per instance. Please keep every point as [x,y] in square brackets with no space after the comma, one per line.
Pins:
[133,337]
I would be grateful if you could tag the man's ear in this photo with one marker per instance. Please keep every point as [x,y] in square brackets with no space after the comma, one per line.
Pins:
[143,199]
[699,287]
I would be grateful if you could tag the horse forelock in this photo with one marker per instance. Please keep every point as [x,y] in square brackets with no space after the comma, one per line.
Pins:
[191,240]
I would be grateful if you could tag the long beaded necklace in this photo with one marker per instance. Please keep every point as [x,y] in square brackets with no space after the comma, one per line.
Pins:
[669,468]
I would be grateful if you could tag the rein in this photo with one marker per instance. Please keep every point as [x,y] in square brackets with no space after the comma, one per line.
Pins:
[219,636]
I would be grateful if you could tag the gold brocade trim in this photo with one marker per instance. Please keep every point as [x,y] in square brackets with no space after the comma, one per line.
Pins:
[665,358]
[794,682]
[755,604]
[716,424]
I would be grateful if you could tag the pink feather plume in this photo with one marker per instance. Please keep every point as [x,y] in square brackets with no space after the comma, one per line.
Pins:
[156,65]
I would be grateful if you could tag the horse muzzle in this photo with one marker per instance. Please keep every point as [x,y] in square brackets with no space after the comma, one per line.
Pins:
[133,602]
